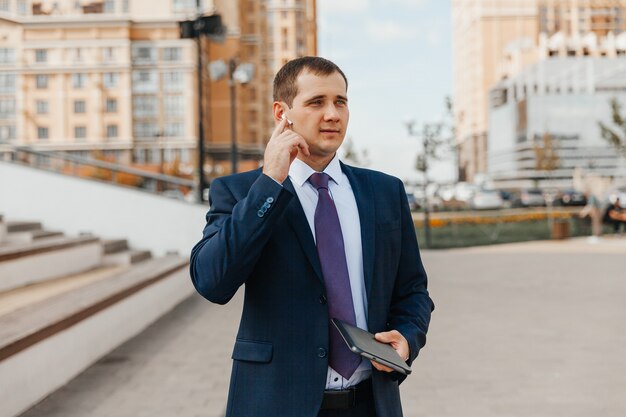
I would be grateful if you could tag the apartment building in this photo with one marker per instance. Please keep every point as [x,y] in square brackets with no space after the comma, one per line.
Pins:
[113,77]
[495,40]
[560,100]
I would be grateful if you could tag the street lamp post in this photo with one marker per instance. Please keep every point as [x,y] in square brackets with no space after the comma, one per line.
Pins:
[232,67]
[422,165]
[211,27]
[238,73]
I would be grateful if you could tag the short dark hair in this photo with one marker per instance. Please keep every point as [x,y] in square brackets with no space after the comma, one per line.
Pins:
[285,87]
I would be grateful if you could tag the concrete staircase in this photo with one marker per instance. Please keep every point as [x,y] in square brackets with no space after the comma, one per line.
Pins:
[67,301]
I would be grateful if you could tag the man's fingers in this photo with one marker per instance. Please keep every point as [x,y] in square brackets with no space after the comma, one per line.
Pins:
[387,337]
[380,367]
[280,128]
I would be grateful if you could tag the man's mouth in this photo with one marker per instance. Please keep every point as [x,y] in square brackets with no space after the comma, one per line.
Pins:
[329,130]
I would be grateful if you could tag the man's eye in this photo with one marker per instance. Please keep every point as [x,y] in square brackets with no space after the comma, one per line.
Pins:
[316,102]
[341,102]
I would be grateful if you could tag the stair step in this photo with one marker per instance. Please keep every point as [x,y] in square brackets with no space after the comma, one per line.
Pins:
[22,226]
[44,259]
[127,257]
[70,331]
[30,236]
[114,245]
[17,298]
[42,234]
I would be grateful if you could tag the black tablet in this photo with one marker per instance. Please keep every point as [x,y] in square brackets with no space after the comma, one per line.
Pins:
[364,343]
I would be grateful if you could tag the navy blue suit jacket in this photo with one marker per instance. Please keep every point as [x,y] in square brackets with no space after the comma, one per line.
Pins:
[257,234]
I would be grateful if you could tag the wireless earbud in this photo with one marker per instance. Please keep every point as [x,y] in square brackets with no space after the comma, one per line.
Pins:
[288,121]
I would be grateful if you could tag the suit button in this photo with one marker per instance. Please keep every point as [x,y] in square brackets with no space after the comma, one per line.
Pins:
[322,299]
[270,199]
[260,213]
[321,353]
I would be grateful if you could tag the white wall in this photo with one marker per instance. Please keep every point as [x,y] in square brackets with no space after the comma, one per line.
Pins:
[34,373]
[75,205]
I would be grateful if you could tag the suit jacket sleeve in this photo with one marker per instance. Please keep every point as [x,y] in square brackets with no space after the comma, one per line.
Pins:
[411,305]
[239,225]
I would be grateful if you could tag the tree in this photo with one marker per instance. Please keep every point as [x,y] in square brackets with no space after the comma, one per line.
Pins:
[615,137]
[352,155]
[546,158]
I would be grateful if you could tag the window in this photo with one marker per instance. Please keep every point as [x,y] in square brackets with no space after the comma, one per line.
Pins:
[109,6]
[145,82]
[7,108]
[143,130]
[124,6]
[7,55]
[173,81]
[111,79]
[143,54]
[174,106]
[180,5]
[42,133]
[111,131]
[173,129]
[41,55]
[80,132]
[111,105]
[41,81]
[22,7]
[145,106]
[108,54]
[77,54]
[7,83]
[78,80]
[4,5]
[172,54]
[42,107]
[7,133]
[79,106]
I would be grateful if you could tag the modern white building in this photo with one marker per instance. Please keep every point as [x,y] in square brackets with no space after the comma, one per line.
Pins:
[556,105]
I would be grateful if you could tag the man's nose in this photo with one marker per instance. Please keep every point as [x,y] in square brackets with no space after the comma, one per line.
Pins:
[331,113]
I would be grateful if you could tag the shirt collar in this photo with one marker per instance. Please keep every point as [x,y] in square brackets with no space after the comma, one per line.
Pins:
[299,171]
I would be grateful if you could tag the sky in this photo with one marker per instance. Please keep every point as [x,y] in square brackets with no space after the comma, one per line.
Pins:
[397,55]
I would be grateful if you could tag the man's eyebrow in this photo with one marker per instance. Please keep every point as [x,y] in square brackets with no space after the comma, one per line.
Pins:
[322,96]
[317,97]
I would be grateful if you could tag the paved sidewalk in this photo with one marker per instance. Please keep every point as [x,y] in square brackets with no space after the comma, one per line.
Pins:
[520,330]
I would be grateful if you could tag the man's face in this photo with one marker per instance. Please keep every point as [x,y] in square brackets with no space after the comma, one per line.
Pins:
[319,112]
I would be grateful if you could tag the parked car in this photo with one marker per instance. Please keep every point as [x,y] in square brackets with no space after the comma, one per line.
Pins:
[570,198]
[530,198]
[463,192]
[507,198]
[486,200]
[413,203]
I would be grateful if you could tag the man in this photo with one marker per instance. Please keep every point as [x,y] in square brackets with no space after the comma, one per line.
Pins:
[313,239]
[615,216]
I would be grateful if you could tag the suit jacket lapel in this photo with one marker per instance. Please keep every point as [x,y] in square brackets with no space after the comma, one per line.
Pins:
[296,217]
[364,195]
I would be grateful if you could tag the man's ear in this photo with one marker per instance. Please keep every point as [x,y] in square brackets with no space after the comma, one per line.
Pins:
[278,111]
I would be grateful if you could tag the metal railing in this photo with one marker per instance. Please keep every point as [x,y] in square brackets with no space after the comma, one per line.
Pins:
[94,169]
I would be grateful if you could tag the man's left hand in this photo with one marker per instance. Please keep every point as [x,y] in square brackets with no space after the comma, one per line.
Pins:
[398,342]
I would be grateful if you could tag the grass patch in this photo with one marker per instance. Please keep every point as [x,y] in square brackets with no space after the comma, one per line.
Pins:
[465,235]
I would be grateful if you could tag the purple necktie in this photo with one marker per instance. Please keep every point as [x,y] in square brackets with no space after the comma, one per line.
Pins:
[332,254]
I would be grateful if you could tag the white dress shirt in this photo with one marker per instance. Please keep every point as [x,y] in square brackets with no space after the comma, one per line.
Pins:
[341,192]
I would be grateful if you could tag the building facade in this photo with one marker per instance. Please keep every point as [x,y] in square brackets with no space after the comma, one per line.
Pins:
[113,77]
[497,39]
[544,122]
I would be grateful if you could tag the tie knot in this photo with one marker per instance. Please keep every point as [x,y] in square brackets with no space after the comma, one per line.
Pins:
[319,180]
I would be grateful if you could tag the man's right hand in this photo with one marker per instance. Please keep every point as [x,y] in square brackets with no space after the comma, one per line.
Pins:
[281,150]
